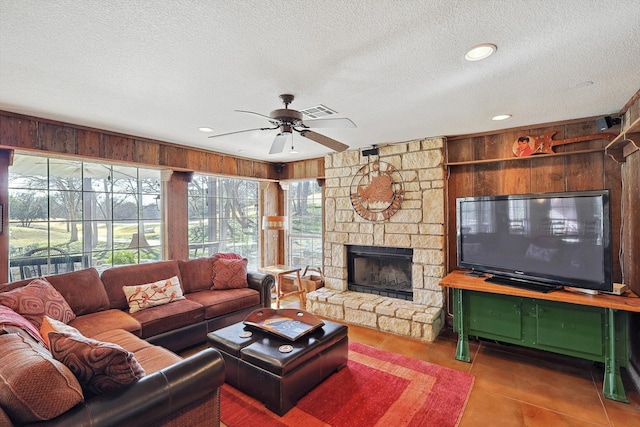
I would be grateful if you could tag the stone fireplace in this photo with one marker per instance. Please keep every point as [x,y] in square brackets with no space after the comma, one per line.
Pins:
[380,270]
[418,226]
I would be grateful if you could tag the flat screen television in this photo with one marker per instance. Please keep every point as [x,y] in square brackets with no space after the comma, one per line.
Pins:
[538,241]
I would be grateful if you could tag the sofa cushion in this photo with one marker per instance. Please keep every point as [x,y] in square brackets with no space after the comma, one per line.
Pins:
[37,299]
[196,274]
[163,318]
[217,303]
[99,366]
[151,357]
[140,297]
[154,358]
[83,290]
[229,273]
[126,340]
[115,278]
[35,387]
[100,321]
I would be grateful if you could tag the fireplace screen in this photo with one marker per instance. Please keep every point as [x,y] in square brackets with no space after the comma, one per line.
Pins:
[379,270]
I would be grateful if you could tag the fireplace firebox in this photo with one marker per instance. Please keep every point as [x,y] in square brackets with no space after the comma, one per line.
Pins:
[379,270]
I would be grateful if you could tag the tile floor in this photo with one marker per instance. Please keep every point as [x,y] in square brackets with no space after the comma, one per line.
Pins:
[515,386]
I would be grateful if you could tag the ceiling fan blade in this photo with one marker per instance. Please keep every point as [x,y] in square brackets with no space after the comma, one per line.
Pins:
[241,131]
[253,112]
[278,143]
[324,140]
[329,123]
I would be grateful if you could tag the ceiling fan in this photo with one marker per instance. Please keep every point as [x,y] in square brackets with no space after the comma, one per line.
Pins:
[287,121]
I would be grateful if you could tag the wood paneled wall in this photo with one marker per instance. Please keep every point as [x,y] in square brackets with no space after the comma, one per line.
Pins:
[303,169]
[34,134]
[580,169]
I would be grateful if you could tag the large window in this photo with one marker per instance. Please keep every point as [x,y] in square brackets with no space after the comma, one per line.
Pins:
[223,217]
[304,207]
[68,214]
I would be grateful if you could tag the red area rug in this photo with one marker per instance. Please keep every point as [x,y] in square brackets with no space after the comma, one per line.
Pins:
[377,388]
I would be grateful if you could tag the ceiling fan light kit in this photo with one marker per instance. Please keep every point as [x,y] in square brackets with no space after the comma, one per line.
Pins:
[288,120]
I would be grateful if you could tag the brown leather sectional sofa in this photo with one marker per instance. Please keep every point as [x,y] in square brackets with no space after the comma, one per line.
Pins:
[174,391]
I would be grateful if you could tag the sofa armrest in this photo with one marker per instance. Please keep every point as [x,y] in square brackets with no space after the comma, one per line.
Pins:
[262,283]
[152,398]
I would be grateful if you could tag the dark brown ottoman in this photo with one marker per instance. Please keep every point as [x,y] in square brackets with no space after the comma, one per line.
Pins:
[255,366]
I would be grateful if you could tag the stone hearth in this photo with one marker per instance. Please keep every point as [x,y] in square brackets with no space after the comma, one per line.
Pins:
[419,224]
[392,315]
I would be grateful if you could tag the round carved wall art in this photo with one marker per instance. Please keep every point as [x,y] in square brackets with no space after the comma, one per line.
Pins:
[377,191]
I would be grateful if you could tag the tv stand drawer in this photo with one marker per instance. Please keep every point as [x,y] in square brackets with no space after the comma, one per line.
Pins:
[573,329]
[495,316]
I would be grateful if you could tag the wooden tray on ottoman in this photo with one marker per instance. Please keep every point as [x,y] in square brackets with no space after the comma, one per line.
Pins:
[289,323]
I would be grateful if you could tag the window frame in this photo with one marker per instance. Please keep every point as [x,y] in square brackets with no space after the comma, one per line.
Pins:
[293,256]
[208,204]
[87,187]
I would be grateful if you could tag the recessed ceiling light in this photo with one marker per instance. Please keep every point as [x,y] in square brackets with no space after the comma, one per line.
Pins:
[480,51]
[205,129]
[501,117]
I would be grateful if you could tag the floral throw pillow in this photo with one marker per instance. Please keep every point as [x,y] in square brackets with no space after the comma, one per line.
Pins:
[38,299]
[161,292]
[229,273]
[99,366]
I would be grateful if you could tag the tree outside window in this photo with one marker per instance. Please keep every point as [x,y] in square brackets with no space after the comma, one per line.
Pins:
[223,217]
[66,214]
[304,205]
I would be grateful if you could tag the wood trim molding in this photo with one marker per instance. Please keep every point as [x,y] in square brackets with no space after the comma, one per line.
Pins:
[21,132]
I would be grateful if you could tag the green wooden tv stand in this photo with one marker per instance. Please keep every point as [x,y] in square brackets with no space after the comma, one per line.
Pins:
[592,327]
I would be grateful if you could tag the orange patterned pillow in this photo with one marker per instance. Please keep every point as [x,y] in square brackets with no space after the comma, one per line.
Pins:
[99,366]
[53,325]
[161,292]
[229,273]
[36,300]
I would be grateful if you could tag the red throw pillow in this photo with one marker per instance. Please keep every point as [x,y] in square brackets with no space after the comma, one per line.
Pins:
[9,318]
[229,273]
[36,300]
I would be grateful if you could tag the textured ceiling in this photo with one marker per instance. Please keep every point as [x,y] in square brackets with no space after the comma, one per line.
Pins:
[161,69]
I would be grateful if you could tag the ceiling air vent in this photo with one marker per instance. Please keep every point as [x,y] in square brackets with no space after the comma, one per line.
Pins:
[318,111]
